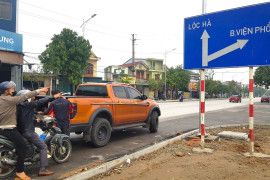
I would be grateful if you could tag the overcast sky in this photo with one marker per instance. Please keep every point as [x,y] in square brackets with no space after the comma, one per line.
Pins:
[157,25]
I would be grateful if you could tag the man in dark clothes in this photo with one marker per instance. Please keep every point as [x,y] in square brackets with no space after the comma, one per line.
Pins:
[61,108]
[8,123]
[26,125]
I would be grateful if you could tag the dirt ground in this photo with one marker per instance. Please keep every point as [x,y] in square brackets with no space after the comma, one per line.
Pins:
[177,161]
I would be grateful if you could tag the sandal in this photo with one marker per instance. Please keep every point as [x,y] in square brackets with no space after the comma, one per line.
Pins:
[23,177]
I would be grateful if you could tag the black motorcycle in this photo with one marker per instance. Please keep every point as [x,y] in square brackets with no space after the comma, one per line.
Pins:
[59,147]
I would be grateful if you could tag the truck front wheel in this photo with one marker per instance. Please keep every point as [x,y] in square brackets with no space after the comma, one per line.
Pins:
[153,122]
[101,132]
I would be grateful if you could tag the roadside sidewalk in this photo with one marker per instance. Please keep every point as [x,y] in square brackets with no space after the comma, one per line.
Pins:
[174,159]
[179,161]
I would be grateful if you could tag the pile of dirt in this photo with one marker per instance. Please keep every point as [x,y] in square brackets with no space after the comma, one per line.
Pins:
[178,161]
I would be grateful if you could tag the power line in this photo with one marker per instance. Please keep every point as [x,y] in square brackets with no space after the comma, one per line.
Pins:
[49,10]
[77,19]
[30,53]
[34,35]
[107,33]
[61,22]
[118,50]
[58,21]
[46,18]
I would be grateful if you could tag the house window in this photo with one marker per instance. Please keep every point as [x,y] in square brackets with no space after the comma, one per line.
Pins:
[147,76]
[139,74]
[90,69]
[157,76]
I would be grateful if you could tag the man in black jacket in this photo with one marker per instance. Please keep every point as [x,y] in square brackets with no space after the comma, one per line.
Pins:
[61,108]
[26,125]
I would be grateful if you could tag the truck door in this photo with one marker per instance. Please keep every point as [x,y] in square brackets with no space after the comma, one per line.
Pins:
[121,105]
[138,106]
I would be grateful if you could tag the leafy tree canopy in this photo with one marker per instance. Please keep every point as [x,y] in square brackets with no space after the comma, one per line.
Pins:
[259,91]
[178,78]
[262,76]
[67,55]
[156,85]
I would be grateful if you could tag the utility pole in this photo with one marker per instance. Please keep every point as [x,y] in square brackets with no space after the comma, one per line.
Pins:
[133,55]
[204,6]
[166,52]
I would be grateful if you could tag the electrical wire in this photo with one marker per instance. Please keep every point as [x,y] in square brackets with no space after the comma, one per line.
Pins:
[48,10]
[71,17]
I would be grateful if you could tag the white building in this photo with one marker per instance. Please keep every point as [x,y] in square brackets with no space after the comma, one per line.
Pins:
[112,73]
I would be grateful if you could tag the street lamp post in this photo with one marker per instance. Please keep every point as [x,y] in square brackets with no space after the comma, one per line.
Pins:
[83,27]
[85,22]
[166,52]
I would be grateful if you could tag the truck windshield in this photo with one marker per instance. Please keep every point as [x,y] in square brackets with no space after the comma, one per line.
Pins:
[92,91]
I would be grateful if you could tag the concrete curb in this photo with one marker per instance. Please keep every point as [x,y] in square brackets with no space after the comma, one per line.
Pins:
[109,165]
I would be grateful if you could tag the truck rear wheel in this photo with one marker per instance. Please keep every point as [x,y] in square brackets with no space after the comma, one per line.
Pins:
[101,132]
[154,122]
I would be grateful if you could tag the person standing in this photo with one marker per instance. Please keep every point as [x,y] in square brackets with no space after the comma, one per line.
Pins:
[8,121]
[61,108]
[26,125]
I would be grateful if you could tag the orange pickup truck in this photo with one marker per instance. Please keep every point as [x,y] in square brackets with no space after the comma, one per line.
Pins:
[101,108]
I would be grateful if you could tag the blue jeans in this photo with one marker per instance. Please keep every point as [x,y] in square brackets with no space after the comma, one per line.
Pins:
[34,138]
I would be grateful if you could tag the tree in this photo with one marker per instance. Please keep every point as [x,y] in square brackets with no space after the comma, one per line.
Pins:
[210,85]
[215,87]
[234,88]
[178,78]
[262,76]
[259,91]
[67,55]
[156,85]
[34,77]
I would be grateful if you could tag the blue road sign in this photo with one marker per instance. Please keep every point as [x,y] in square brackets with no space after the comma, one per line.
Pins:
[232,38]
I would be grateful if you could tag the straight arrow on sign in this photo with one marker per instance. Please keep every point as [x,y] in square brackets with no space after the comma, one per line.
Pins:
[205,58]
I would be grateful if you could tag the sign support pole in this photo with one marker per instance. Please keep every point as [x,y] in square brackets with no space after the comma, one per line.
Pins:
[251,111]
[202,104]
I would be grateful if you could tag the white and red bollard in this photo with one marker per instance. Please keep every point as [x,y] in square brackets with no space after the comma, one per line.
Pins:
[202,100]
[251,111]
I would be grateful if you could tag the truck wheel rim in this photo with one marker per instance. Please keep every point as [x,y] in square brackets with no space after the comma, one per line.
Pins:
[102,133]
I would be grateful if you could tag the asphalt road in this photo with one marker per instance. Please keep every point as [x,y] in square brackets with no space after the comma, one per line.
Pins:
[172,121]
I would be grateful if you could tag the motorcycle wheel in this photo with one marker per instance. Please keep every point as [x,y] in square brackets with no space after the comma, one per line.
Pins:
[7,170]
[62,154]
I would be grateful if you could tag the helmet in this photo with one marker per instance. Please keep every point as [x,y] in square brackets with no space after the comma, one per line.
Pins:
[24,91]
[6,85]
[21,92]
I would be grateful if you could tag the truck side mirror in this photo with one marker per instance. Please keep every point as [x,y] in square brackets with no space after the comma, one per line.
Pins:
[144,97]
